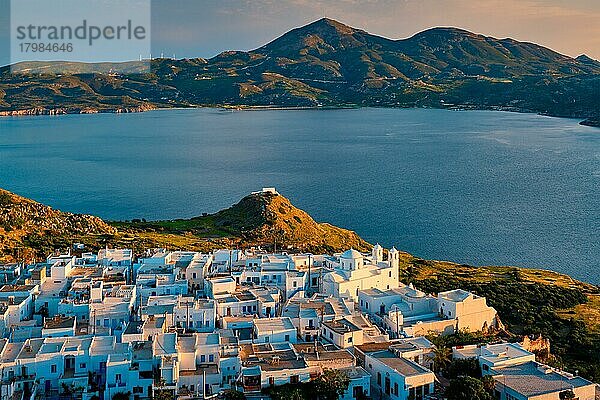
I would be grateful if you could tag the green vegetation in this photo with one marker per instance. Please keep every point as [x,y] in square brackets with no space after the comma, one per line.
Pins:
[529,302]
[258,219]
[328,386]
[122,396]
[328,64]
[30,231]
[468,388]
[233,395]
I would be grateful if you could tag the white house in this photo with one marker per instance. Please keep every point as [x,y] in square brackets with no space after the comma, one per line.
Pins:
[274,330]
[534,381]
[396,377]
[353,272]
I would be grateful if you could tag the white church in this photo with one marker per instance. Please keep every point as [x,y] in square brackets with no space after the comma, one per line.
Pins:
[352,271]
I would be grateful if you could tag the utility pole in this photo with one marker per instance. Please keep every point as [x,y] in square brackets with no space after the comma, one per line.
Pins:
[397,325]
[187,315]
[309,280]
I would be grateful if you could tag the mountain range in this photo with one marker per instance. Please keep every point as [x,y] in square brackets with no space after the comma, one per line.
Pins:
[328,64]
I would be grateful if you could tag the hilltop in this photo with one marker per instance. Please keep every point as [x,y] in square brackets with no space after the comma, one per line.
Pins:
[329,64]
[265,219]
[30,230]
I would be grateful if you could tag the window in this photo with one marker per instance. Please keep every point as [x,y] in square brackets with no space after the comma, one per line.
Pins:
[53,368]
[396,388]
[266,339]
[390,274]
[294,284]
[211,358]
[194,275]
[202,358]
[287,338]
[379,378]
[191,388]
[350,339]
[271,381]
[82,365]
[118,378]
[330,335]
[294,379]
[138,389]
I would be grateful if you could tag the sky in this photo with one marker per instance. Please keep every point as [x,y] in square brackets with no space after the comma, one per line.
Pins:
[204,28]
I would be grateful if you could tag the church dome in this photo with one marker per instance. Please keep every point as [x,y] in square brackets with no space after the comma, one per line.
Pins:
[351,254]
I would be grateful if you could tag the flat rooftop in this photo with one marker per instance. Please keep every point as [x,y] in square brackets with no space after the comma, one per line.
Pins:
[59,323]
[265,325]
[10,352]
[401,365]
[16,288]
[355,372]
[456,295]
[341,326]
[534,379]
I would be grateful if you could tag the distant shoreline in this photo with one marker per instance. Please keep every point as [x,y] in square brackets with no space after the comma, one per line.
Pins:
[40,111]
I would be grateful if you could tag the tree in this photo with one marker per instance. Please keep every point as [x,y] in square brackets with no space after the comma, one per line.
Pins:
[463,367]
[441,358]
[331,384]
[121,396]
[489,384]
[566,395]
[295,394]
[467,388]
[163,395]
[231,394]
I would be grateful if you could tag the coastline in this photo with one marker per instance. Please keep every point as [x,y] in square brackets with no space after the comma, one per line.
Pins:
[591,121]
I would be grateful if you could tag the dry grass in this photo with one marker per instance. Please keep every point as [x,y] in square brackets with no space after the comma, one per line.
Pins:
[588,313]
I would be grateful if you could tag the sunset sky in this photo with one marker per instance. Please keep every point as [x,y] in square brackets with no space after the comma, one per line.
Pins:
[203,28]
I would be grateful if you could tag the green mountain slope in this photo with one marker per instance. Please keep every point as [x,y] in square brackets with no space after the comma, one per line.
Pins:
[327,63]
[261,219]
[30,230]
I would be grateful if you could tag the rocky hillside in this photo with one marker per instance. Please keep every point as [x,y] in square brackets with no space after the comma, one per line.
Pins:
[327,63]
[28,228]
[264,219]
